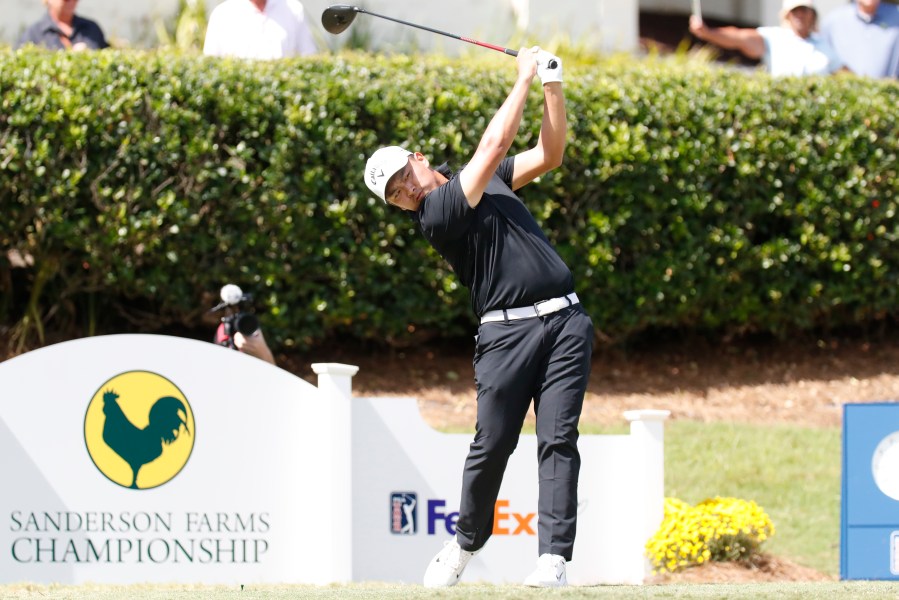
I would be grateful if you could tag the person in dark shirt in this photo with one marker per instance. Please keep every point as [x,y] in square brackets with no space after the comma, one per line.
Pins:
[62,29]
[534,341]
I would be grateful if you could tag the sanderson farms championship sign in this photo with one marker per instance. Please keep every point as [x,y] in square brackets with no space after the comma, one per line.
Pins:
[140,458]
[139,432]
[54,538]
[147,458]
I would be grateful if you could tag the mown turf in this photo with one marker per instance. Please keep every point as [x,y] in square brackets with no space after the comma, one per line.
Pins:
[792,472]
[803,591]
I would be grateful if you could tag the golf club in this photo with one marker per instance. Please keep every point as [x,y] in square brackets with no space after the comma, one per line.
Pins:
[336,18]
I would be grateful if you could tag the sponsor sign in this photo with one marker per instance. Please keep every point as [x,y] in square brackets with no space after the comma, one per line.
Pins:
[139,422]
[870,506]
[137,458]
[403,513]
[158,459]
[505,522]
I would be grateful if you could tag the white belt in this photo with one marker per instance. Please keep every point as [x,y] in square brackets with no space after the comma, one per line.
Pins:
[539,309]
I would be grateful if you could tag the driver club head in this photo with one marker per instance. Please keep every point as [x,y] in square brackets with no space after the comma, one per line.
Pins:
[336,18]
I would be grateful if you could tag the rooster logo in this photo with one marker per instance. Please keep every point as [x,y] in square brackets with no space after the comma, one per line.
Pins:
[138,430]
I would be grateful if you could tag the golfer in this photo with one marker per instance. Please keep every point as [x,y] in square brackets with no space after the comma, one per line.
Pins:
[534,341]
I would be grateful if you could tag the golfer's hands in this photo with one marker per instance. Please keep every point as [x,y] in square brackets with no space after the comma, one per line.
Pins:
[549,67]
[527,63]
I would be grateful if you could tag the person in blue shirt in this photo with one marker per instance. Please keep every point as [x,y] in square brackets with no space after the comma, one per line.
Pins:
[62,29]
[865,35]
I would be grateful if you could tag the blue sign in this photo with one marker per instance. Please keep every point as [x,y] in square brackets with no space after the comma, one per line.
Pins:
[869,546]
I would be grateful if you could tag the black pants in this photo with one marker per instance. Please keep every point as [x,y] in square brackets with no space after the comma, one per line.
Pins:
[546,359]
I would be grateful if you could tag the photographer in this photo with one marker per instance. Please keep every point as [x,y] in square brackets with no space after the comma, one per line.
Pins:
[238,329]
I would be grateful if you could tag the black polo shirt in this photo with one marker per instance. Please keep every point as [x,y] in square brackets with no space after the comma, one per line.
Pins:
[496,249]
[46,33]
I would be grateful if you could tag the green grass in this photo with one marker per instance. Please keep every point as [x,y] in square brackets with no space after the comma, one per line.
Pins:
[791,472]
[797,591]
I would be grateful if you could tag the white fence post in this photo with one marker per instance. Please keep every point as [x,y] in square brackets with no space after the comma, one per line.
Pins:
[648,432]
[335,382]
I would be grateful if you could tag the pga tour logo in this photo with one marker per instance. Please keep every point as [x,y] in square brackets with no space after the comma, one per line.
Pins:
[404,517]
[402,513]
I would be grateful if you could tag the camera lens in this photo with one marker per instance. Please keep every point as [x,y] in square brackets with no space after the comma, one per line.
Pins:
[247,324]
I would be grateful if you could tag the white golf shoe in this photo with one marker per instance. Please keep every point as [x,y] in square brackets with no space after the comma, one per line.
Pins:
[550,572]
[446,568]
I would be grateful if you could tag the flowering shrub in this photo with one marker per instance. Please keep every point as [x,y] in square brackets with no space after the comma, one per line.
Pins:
[716,529]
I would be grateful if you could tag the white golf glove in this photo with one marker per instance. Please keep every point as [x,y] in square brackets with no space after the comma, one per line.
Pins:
[546,73]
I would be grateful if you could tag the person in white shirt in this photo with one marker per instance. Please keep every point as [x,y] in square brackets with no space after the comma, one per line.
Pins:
[794,48]
[262,29]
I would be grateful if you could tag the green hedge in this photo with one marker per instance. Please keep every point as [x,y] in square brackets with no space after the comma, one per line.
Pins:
[136,184]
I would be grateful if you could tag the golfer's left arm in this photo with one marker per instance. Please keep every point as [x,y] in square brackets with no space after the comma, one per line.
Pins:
[500,132]
[547,154]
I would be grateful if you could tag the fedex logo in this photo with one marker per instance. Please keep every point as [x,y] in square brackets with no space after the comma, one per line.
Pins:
[505,522]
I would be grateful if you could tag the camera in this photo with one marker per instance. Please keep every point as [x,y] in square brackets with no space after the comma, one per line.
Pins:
[235,318]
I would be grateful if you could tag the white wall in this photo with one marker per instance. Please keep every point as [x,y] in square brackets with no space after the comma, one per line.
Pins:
[610,24]
[749,12]
[606,24]
[771,9]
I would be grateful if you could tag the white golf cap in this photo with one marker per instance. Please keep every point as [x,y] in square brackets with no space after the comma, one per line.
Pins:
[789,5]
[381,167]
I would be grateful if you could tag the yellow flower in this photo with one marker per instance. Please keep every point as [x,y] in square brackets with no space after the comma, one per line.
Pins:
[717,528]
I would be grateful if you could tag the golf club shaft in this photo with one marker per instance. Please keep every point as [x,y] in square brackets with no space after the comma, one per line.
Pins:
[508,51]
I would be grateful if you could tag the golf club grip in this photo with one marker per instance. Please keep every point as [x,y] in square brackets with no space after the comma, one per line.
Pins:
[552,64]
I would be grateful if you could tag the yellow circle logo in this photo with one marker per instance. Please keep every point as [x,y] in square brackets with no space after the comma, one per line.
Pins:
[139,430]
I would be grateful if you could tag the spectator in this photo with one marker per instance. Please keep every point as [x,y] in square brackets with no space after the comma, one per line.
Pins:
[237,329]
[262,29]
[62,29]
[865,35]
[794,48]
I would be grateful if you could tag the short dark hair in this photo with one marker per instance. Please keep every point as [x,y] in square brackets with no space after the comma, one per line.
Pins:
[444,170]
